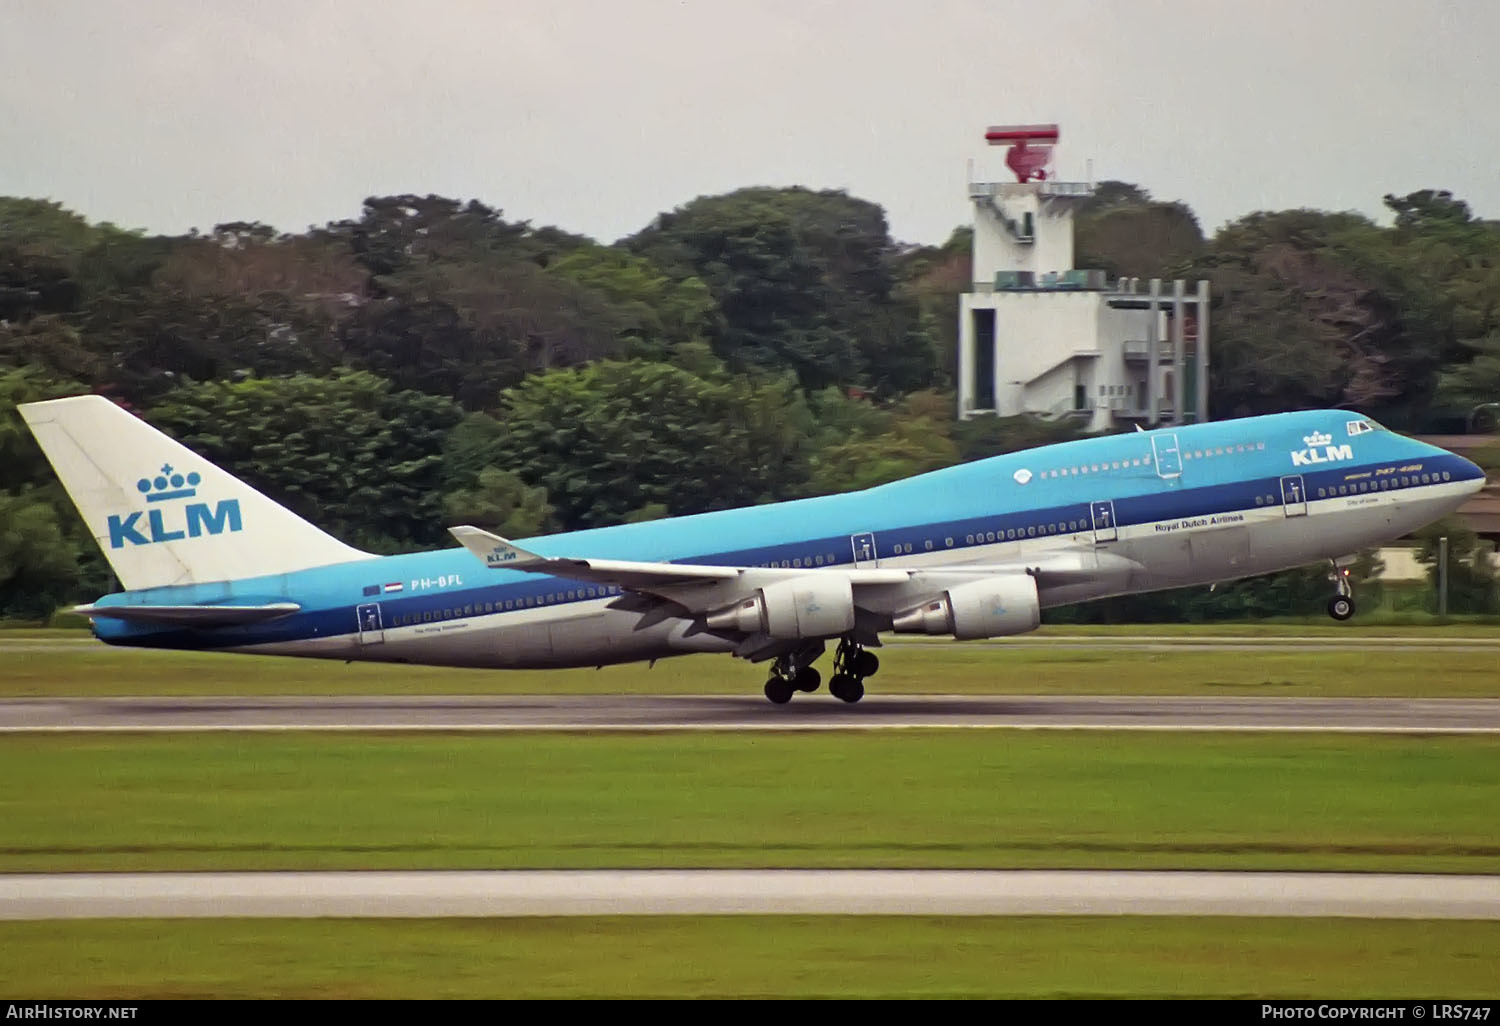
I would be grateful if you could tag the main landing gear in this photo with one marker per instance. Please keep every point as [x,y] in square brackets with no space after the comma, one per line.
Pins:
[788,677]
[852,663]
[1341,606]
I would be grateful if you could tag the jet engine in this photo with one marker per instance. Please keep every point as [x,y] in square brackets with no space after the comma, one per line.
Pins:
[988,608]
[807,606]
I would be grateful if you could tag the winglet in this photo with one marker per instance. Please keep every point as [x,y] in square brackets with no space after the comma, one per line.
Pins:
[494,551]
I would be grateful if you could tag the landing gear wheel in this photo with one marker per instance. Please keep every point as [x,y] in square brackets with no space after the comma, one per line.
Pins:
[865,664]
[846,688]
[1341,607]
[779,690]
[807,679]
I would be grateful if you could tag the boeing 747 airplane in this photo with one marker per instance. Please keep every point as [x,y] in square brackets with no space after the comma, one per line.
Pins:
[972,551]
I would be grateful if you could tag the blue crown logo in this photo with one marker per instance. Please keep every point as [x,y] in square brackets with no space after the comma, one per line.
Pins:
[169,485]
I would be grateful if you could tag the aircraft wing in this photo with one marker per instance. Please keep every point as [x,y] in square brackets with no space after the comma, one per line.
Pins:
[675,581]
[499,554]
[662,591]
[668,580]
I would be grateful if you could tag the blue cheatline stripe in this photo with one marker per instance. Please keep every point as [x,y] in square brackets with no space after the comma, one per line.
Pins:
[338,617]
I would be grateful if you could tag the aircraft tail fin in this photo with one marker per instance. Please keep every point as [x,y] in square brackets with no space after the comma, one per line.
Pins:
[162,514]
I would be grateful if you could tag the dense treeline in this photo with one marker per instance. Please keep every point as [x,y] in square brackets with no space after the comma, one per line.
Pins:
[433,362]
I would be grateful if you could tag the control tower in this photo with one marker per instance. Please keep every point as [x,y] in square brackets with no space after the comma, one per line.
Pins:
[1037,335]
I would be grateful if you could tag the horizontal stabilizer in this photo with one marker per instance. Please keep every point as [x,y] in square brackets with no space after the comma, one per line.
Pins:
[192,616]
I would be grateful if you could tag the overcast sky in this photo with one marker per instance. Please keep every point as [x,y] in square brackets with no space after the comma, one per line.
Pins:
[596,114]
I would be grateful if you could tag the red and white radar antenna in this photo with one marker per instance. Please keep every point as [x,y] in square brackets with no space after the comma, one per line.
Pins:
[1030,148]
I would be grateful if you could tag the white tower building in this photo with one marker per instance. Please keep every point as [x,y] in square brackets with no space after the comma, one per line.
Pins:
[1038,336]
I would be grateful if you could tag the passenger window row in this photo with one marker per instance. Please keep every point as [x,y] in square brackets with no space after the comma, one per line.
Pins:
[1097,468]
[1223,450]
[509,605]
[1382,484]
[806,561]
[1033,531]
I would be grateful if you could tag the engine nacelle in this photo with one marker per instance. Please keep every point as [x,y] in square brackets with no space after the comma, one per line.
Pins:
[989,608]
[807,606]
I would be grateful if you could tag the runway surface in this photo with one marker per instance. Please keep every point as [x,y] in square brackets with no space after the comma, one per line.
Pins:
[703,712]
[746,892]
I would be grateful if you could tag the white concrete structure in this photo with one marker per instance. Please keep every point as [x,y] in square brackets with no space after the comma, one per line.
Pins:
[1038,336]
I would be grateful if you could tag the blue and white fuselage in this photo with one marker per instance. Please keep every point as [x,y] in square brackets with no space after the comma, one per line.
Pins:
[1064,523]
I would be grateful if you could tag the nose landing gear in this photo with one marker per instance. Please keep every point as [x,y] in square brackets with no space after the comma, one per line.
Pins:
[1341,606]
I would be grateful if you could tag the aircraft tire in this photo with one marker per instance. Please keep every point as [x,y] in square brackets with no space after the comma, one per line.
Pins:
[779,690]
[846,688]
[866,663]
[807,679]
[1341,607]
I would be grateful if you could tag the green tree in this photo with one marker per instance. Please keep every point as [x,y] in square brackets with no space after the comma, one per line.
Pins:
[933,277]
[38,564]
[1448,264]
[41,247]
[805,281]
[1310,309]
[987,435]
[52,261]
[397,233]
[910,447]
[501,502]
[650,313]
[1471,575]
[608,440]
[348,453]
[1150,240]
[458,301]
[47,556]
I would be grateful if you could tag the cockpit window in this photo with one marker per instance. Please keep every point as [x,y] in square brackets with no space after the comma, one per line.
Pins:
[1359,427]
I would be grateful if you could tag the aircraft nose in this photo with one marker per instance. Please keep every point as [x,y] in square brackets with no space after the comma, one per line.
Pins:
[1464,471]
[1470,473]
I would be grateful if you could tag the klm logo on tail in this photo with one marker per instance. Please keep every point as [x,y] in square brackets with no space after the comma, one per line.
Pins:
[193,520]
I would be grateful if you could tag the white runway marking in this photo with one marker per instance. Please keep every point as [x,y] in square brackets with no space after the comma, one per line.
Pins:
[746,892]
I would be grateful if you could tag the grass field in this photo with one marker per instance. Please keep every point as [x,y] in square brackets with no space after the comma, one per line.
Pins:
[882,799]
[829,956]
[61,663]
[886,799]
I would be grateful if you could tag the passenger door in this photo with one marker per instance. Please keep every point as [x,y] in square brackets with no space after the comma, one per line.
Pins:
[371,629]
[1168,456]
[863,546]
[1293,496]
[1102,513]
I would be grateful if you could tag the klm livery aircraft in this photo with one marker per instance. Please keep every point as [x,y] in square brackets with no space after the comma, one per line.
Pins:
[973,551]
